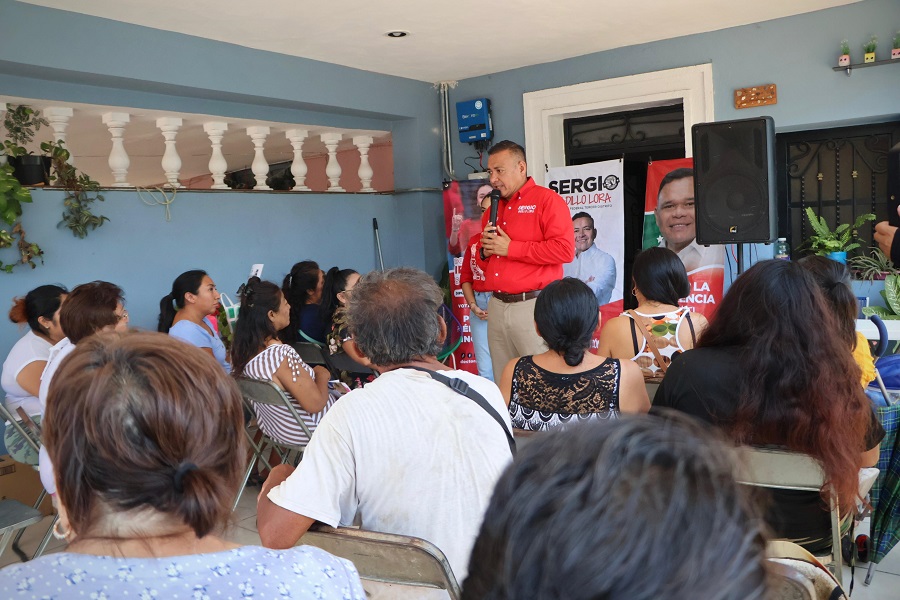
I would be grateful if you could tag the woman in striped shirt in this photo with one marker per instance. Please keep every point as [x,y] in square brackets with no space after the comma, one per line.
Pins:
[258,353]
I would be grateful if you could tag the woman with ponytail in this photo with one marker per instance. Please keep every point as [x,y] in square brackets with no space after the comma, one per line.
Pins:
[567,383]
[188,313]
[148,437]
[21,378]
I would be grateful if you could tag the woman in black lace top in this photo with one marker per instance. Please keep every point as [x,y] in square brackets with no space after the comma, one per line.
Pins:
[567,383]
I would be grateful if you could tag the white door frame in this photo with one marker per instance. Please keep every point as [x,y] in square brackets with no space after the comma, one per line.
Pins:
[545,110]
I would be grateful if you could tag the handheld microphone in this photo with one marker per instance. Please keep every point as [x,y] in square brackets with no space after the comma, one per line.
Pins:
[495,204]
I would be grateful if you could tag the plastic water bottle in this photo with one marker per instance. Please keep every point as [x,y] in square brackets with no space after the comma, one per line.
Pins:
[781,250]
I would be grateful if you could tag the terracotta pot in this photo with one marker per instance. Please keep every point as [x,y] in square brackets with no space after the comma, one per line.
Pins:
[895,53]
[844,60]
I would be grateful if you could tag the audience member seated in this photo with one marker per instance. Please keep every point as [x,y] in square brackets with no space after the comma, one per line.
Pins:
[338,285]
[407,453]
[257,352]
[633,508]
[188,313]
[834,281]
[147,434]
[567,383]
[659,281]
[773,370]
[90,308]
[303,289]
[21,377]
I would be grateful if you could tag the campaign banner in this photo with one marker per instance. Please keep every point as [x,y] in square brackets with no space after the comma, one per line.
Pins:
[462,220]
[669,221]
[594,195]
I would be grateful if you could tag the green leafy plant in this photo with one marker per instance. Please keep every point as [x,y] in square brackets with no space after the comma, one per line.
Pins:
[845,47]
[891,295]
[872,266]
[21,122]
[81,191]
[871,44]
[12,196]
[896,44]
[843,239]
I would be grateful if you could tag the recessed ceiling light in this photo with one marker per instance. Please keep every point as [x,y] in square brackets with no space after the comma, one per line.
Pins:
[397,34]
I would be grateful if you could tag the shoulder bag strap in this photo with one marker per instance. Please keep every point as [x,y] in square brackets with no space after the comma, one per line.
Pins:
[461,387]
[642,327]
[691,325]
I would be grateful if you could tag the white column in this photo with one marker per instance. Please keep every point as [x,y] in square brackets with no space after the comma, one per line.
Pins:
[259,166]
[217,163]
[365,170]
[298,167]
[171,162]
[118,158]
[59,116]
[333,169]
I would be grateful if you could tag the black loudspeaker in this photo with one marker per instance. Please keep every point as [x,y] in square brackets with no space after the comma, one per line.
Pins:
[734,181]
[894,185]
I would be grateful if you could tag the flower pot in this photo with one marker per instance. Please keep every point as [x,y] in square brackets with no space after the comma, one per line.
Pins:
[895,53]
[840,257]
[844,60]
[30,169]
[869,58]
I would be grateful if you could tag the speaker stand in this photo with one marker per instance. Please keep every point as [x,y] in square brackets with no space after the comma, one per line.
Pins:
[740,258]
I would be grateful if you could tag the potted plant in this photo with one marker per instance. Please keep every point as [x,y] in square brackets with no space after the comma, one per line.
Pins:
[869,49]
[21,123]
[844,58]
[12,196]
[81,191]
[834,244]
[895,52]
[875,266]
[891,295]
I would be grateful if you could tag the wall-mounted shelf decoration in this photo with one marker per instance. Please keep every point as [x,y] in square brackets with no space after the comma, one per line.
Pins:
[877,63]
[758,95]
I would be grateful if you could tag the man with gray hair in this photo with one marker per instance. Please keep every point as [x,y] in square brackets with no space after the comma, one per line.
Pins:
[407,453]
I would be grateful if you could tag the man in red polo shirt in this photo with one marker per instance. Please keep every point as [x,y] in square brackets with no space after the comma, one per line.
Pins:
[521,253]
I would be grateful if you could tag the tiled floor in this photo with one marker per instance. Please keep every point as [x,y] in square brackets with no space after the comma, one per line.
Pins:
[885,585]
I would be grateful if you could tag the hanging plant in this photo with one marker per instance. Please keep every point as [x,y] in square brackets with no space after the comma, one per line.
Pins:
[12,196]
[81,192]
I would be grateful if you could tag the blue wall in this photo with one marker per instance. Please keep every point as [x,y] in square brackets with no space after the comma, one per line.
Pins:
[76,58]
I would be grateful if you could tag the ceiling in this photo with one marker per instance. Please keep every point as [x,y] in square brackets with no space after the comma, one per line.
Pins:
[449,40]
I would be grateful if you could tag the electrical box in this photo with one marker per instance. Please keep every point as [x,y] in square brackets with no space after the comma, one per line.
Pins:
[474,121]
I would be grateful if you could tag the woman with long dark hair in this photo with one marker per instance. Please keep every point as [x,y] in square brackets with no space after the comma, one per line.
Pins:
[258,352]
[188,313]
[303,289]
[773,369]
[834,281]
[659,282]
[567,382]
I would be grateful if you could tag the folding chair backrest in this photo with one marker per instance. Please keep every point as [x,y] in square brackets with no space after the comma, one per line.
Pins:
[310,353]
[27,434]
[387,557]
[263,391]
[344,362]
[15,516]
[790,471]
[309,339]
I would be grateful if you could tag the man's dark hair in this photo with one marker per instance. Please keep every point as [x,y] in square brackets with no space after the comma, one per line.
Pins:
[660,276]
[582,513]
[682,173]
[584,215]
[393,316]
[513,148]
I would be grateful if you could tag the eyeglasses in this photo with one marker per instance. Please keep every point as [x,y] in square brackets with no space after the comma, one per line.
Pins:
[123,316]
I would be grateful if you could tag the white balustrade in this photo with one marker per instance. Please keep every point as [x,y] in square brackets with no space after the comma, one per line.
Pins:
[259,166]
[333,168]
[118,158]
[298,166]
[171,162]
[363,142]
[59,116]
[217,163]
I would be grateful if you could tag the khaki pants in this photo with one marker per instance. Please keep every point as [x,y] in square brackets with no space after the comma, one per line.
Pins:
[511,332]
